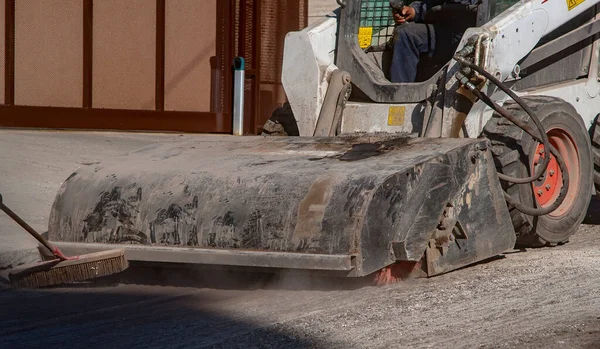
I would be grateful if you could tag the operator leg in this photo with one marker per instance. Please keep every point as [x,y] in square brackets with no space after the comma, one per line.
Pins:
[410,41]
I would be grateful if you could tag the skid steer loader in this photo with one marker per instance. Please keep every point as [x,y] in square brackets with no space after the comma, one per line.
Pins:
[495,148]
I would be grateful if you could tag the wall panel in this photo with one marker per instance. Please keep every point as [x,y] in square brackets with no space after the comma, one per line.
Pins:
[190,42]
[2,51]
[124,54]
[48,53]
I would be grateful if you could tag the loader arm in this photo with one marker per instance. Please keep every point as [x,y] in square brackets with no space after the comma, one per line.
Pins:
[503,47]
[508,39]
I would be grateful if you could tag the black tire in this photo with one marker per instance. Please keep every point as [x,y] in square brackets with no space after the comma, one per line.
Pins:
[595,136]
[281,123]
[514,151]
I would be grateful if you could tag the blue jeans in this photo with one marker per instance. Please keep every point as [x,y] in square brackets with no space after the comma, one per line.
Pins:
[410,41]
[413,40]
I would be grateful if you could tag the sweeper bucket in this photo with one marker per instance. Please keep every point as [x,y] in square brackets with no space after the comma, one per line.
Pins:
[349,205]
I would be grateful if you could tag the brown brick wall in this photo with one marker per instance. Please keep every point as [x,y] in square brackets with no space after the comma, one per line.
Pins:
[278,17]
[119,68]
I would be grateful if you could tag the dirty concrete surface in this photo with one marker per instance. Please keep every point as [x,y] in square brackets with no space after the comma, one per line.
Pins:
[539,298]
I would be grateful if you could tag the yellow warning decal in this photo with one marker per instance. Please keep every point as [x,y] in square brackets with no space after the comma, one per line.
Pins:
[365,35]
[571,4]
[396,116]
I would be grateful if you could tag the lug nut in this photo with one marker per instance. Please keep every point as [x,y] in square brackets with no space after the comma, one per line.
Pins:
[551,173]
[542,151]
[540,192]
[548,186]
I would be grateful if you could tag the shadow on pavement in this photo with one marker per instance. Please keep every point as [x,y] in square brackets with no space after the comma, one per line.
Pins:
[136,317]
[230,279]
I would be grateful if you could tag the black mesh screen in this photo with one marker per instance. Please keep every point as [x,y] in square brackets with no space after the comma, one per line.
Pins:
[376,22]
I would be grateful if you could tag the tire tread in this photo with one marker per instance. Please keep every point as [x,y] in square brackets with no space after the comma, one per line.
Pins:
[506,147]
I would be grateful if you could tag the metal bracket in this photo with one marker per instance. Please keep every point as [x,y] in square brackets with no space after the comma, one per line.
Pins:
[447,234]
[592,86]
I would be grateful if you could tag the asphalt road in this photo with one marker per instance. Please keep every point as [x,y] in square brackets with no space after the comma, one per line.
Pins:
[539,298]
[544,298]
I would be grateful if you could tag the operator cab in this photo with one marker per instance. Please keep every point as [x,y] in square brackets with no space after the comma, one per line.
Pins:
[362,49]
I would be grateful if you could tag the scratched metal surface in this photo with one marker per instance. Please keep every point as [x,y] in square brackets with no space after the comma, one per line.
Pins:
[324,196]
[231,194]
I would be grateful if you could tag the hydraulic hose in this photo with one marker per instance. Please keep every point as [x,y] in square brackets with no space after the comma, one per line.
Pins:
[525,209]
[543,138]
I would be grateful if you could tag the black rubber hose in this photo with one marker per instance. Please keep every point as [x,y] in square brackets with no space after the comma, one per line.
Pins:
[543,137]
[562,195]
[559,200]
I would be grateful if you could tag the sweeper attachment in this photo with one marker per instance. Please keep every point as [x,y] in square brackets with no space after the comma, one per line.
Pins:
[346,205]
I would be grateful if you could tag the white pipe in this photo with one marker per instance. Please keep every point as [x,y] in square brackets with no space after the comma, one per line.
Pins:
[238,96]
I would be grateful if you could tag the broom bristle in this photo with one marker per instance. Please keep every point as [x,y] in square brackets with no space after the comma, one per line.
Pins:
[56,272]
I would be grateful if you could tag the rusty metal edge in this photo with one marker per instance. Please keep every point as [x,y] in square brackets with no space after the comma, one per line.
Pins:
[162,254]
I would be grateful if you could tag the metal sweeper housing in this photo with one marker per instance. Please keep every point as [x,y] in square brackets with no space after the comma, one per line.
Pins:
[348,205]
